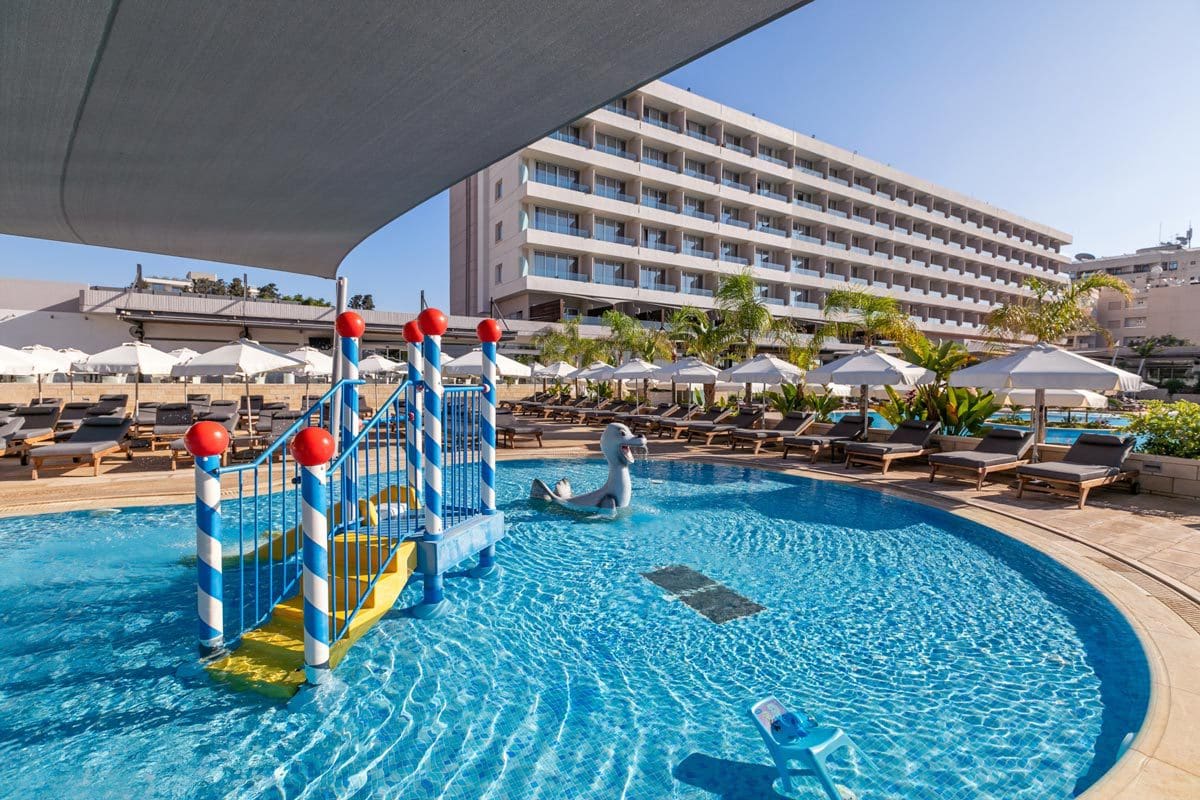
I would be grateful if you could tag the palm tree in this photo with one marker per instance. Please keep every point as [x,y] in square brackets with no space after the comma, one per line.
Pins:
[1055,312]
[743,312]
[874,316]
[698,335]
[566,343]
[1148,347]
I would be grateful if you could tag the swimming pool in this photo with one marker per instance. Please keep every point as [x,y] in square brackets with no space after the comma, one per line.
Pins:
[1053,435]
[964,663]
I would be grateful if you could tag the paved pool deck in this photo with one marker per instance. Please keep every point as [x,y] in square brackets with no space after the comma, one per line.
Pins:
[1142,551]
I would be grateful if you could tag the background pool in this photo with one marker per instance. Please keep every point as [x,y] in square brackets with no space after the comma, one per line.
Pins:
[965,664]
[1053,435]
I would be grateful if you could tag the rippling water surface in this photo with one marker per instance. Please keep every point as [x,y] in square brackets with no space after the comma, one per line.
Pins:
[964,664]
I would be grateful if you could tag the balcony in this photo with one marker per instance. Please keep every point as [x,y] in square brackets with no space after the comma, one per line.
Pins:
[884,195]
[735,184]
[833,276]
[616,109]
[698,291]
[863,220]
[613,194]
[862,251]
[735,260]
[772,159]
[737,223]
[559,274]
[773,195]
[811,273]
[604,236]
[804,304]
[606,280]
[654,162]
[813,172]
[658,123]
[663,246]
[615,151]
[861,188]
[698,253]
[689,211]
[763,228]
[837,213]
[704,137]
[808,205]
[860,281]
[562,183]
[737,148]
[659,287]
[775,265]
[704,176]
[837,245]
[838,180]
[804,237]
[662,205]
[772,301]
[569,139]
[884,225]
[881,254]
[567,230]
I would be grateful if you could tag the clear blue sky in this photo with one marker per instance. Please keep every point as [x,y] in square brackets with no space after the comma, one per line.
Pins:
[1082,114]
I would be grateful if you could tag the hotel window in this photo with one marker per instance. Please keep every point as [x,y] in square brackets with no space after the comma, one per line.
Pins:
[761,257]
[650,278]
[610,143]
[730,214]
[693,204]
[799,296]
[657,115]
[609,273]
[698,128]
[1115,305]
[692,243]
[691,284]
[610,187]
[610,230]
[499,231]
[654,197]
[762,291]
[698,167]
[499,273]
[1135,322]
[1172,266]
[654,236]
[799,262]
[654,154]
[736,177]
[729,249]
[736,141]
[556,220]
[499,189]
[555,175]
[568,133]
[804,163]
[555,265]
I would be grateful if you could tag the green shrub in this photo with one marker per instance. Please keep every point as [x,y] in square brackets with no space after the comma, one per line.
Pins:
[1169,429]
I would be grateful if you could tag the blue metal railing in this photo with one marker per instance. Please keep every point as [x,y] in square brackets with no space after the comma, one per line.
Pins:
[462,454]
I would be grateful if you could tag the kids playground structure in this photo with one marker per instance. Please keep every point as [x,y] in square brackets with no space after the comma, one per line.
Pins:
[319,534]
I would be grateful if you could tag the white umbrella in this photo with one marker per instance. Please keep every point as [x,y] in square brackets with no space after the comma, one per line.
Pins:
[764,368]
[471,365]
[184,355]
[689,370]
[556,371]
[833,389]
[375,366]
[17,363]
[869,367]
[72,356]
[130,358]
[637,369]
[244,358]
[1041,367]
[596,371]
[314,363]
[1055,398]
[47,361]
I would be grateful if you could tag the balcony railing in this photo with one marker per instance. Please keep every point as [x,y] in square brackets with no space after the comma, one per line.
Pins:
[704,137]
[704,176]
[862,188]
[616,109]
[698,290]
[762,228]
[836,179]
[773,195]
[803,304]
[688,211]
[737,148]
[613,194]
[880,224]
[812,273]
[837,213]
[775,265]
[660,204]
[615,151]
[560,274]
[654,162]
[860,250]
[833,276]
[860,281]
[734,259]
[610,281]
[569,139]
[698,253]
[804,237]
[773,159]
[808,205]
[661,124]
[737,223]
[735,184]
[568,230]
[863,220]
[562,183]
[837,245]
[603,236]
[659,287]
[772,301]
[663,246]
[816,173]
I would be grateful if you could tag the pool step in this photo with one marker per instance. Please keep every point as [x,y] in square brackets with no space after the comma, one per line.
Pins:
[270,659]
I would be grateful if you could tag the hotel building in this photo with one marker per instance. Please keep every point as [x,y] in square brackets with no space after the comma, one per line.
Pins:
[643,205]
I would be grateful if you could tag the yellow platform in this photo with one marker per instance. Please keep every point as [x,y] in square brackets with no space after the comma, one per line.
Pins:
[270,658]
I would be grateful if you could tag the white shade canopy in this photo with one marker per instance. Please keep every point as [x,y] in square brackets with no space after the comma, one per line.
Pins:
[689,370]
[184,355]
[834,389]
[471,364]
[1044,366]
[131,358]
[16,362]
[47,360]
[596,371]
[763,368]
[1055,398]
[636,369]
[871,367]
[377,365]
[559,369]
[242,358]
[314,362]
[73,354]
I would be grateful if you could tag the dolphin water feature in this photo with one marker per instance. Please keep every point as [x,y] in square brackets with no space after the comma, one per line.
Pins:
[617,443]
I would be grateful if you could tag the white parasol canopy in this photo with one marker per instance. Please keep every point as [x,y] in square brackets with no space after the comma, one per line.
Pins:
[764,368]
[243,358]
[471,365]
[1055,398]
[377,365]
[833,389]
[689,370]
[16,362]
[596,371]
[555,371]
[636,369]
[314,363]
[130,358]
[869,367]
[184,355]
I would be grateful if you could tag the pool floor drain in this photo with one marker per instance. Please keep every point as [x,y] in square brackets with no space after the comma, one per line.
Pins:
[712,600]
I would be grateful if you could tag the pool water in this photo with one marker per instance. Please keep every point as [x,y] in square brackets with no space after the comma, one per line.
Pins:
[965,664]
[1053,435]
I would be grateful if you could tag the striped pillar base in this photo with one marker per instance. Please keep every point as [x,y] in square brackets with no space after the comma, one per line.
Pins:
[210,607]
[314,505]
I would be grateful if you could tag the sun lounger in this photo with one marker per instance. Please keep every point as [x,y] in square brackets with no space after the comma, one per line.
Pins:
[650,423]
[171,420]
[38,427]
[1001,449]
[8,427]
[793,423]
[509,429]
[109,403]
[281,421]
[1094,460]
[911,439]
[579,414]
[748,417]
[603,416]
[847,429]
[145,414]
[96,438]
[72,416]
[629,416]
[225,415]
[679,427]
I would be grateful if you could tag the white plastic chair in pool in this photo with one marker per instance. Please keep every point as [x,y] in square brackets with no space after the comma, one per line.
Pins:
[793,737]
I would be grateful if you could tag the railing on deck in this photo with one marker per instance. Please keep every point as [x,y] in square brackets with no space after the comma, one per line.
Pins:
[462,453]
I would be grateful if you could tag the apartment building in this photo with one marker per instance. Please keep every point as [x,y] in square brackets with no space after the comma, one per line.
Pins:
[1166,295]
[643,205]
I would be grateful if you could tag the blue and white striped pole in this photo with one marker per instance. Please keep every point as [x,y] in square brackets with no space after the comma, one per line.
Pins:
[206,441]
[313,448]
[489,335]
[414,431]
[433,324]
[350,327]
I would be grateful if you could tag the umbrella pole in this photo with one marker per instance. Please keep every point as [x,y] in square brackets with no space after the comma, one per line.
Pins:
[1039,431]
[249,408]
[862,409]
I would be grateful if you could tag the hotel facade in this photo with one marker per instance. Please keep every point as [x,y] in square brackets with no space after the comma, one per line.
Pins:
[643,205]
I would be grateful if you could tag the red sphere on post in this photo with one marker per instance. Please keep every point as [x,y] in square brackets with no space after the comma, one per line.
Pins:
[488,330]
[349,325]
[312,447]
[433,322]
[206,439]
[412,333]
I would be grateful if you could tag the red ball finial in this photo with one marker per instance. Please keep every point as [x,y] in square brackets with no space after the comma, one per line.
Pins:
[433,322]
[349,325]
[312,447]
[412,332]
[488,330]
[206,439]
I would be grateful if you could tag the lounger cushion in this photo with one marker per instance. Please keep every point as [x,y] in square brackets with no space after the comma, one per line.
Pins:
[973,459]
[1007,441]
[171,430]
[882,448]
[755,433]
[1063,471]
[31,433]
[819,440]
[1100,449]
[63,449]
[914,431]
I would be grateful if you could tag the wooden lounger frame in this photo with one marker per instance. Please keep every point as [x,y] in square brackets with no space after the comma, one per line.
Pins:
[95,458]
[508,437]
[980,472]
[814,450]
[1065,487]
[884,460]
